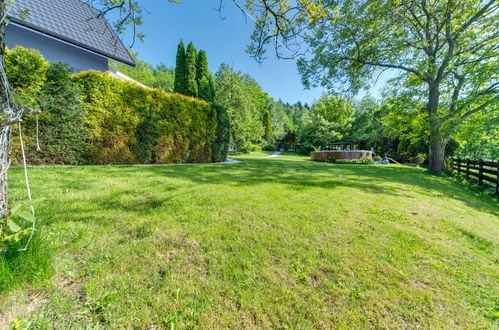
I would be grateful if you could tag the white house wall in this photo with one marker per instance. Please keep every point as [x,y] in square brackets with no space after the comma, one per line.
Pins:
[55,50]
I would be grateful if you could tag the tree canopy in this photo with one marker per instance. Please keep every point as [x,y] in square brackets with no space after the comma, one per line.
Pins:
[445,51]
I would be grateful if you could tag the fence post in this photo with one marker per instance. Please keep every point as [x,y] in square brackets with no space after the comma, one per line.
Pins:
[497,179]
[458,165]
[480,172]
[467,169]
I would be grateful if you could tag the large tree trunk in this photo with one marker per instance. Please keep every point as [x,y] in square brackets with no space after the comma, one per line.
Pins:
[437,155]
[437,138]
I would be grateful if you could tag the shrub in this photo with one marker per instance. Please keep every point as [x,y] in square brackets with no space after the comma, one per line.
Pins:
[26,70]
[418,160]
[360,161]
[269,147]
[93,118]
[113,120]
[305,148]
[64,137]
[131,124]
[377,158]
[147,137]
[220,145]
[250,147]
[331,159]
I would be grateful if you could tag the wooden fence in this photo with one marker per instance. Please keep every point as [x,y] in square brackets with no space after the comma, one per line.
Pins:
[481,171]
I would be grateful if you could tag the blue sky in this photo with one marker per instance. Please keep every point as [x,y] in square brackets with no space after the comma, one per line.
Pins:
[224,40]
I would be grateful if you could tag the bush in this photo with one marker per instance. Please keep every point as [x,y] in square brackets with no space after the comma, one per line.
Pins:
[147,137]
[331,159]
[305,149]
[220,145]
[418,160]
[93,118]
[26,70]
[377,158]
[131,124]
[269,147]
[361,161]
[250,147]
[63,135]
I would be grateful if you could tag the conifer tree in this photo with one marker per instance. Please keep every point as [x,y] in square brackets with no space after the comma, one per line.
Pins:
[204,92]
[179,85]
[206,86]
[201,66]
[212,88]
[267,125]
[190,71]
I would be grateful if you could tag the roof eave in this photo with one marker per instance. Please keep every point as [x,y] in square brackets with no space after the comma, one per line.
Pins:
[59,37]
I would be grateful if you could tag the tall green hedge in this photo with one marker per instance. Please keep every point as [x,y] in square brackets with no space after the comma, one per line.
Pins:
[131,124]
[64,136]
[94,118]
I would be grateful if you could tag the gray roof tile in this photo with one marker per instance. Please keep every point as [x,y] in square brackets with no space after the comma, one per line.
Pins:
[73,21]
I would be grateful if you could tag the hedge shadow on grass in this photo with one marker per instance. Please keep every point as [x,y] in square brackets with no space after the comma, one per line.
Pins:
[296,174]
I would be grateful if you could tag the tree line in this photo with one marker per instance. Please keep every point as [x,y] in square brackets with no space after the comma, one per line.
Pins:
[391,125]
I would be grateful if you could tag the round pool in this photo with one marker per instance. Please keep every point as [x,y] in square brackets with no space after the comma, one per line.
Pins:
[322,156]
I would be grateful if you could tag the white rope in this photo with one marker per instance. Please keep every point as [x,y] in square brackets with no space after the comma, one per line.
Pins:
[37,140]
[13,112]
[27,188]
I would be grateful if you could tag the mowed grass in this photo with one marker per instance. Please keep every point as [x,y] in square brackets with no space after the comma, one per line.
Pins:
[266,243]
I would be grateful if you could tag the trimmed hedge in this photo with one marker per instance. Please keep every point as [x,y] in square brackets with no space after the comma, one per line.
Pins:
[63,134]
[220,146]
[94,118]
[131,124]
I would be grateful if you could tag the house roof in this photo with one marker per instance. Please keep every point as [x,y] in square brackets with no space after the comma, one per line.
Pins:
[72,21]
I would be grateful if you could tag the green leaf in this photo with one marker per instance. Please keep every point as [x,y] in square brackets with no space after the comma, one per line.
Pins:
[15,209]
[26,216]
[13,226]
[34,202]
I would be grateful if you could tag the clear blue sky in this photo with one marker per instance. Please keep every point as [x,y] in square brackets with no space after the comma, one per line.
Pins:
[224,40]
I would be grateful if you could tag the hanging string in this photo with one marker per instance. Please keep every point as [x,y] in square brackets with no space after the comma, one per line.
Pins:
[13,112]
[27,188]
[37,140]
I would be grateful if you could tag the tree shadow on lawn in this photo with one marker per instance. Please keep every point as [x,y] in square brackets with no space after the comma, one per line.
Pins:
[302,175]
[133,194]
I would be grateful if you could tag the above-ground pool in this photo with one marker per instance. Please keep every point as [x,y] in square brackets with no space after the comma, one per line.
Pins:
[323,156]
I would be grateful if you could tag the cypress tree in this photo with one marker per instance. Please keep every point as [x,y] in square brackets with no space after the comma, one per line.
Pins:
[179,85]
[267,125]
[204,92]
[206,87]
[201,66]
[190,70]
[212,88]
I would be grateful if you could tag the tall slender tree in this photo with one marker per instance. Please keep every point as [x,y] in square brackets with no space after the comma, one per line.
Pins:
[201,66]
[180,83]
[267,125]
[190,71]
[206,87]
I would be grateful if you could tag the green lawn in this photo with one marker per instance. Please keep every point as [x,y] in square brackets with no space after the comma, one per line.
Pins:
[266,243]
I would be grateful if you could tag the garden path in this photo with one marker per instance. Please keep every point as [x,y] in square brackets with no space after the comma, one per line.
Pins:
[275,154]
